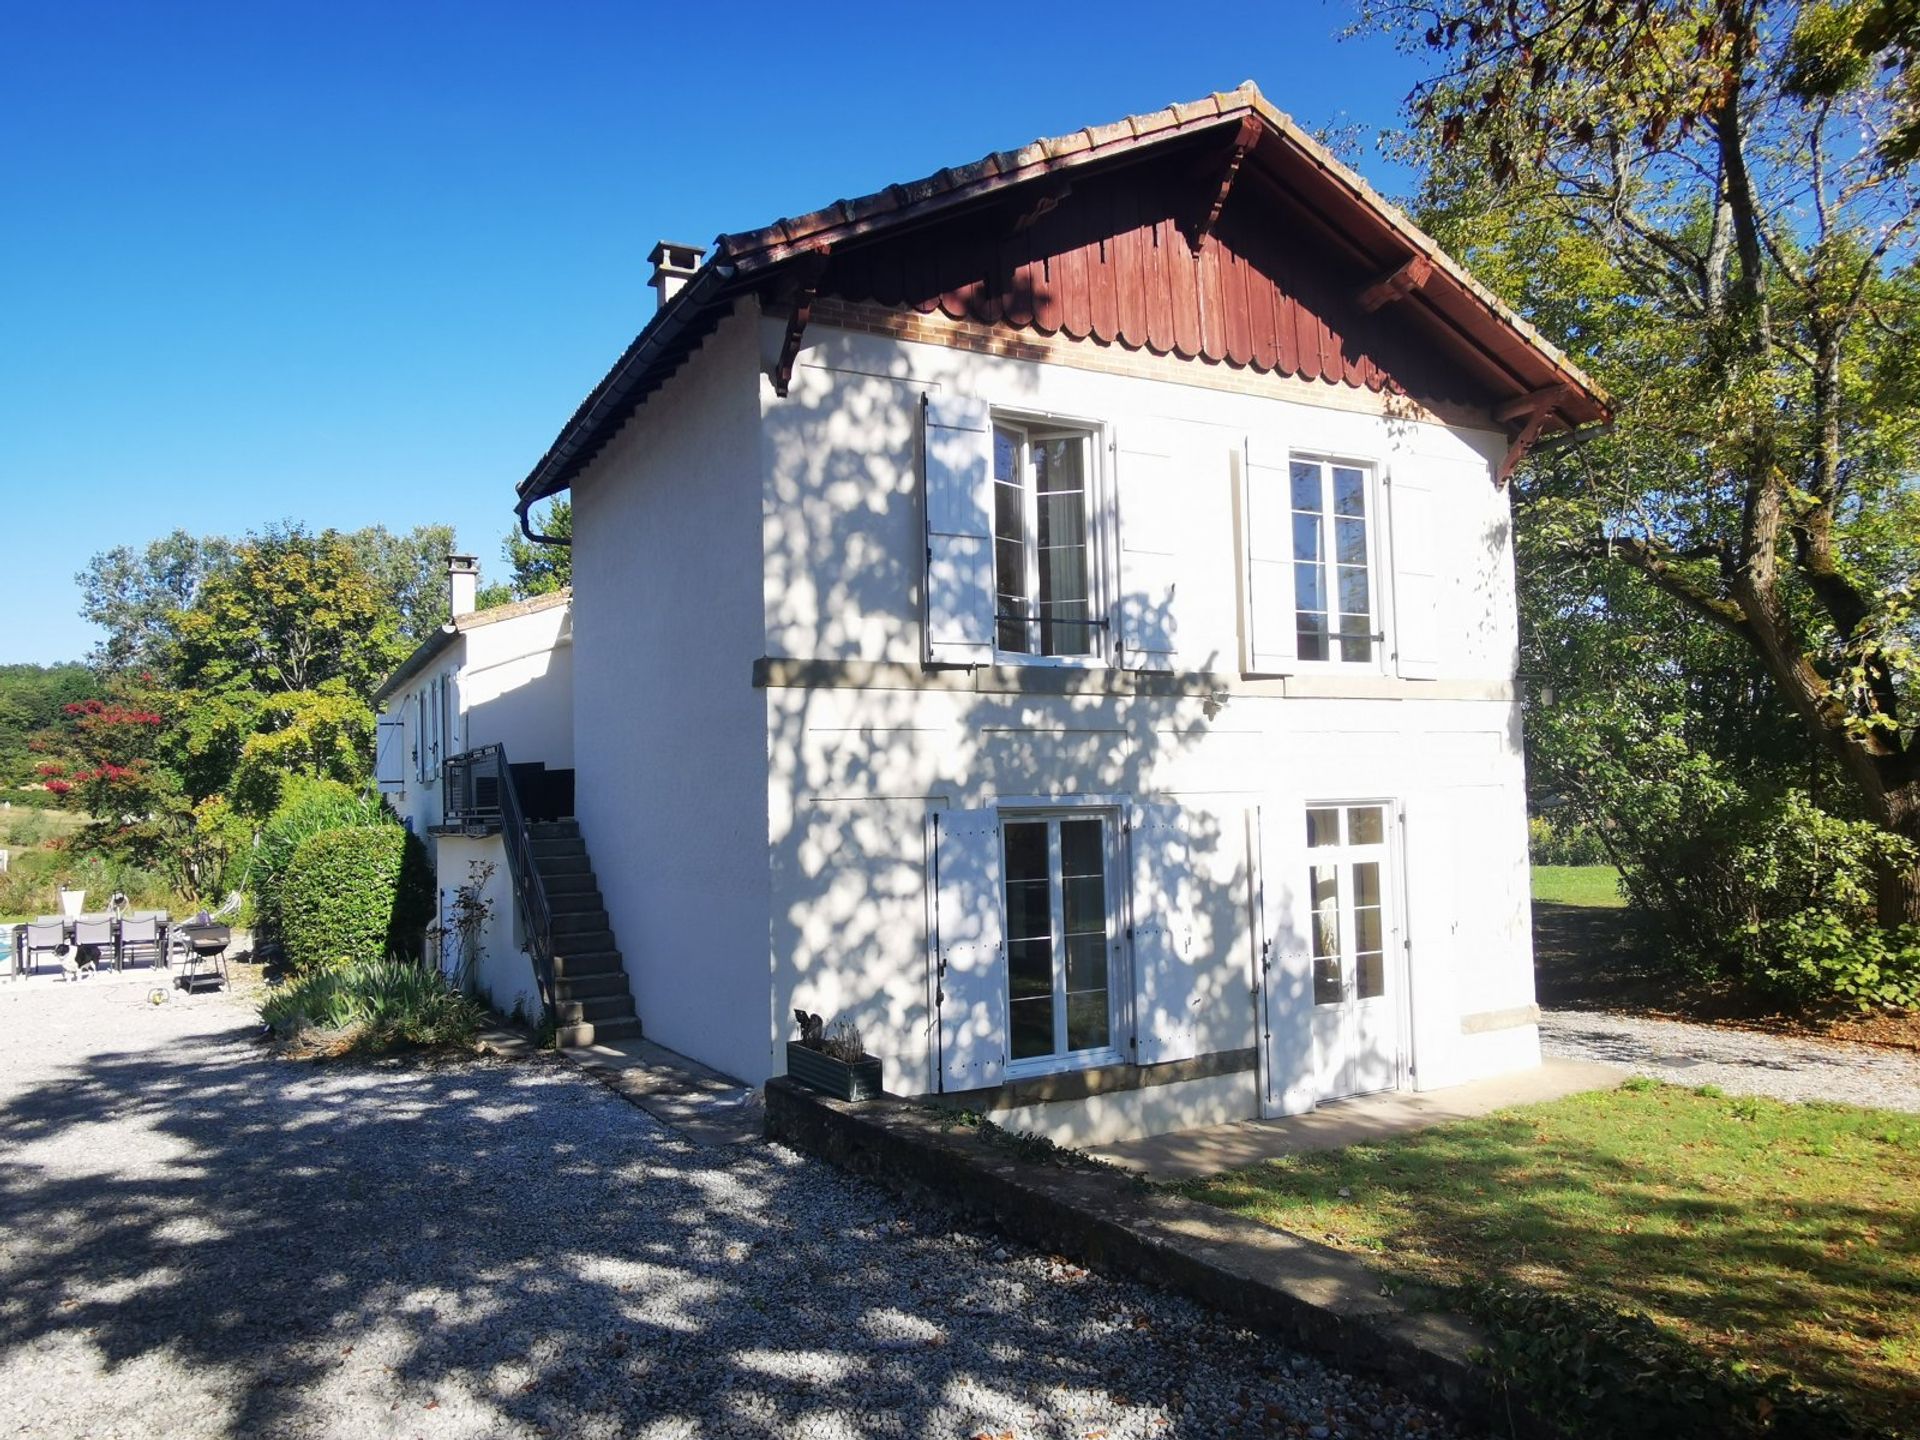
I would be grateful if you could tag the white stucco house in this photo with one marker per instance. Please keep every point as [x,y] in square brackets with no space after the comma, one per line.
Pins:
[1059,614]
[490,688]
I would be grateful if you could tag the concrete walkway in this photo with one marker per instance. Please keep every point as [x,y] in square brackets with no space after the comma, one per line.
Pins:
[707,1107]
[1182,1154]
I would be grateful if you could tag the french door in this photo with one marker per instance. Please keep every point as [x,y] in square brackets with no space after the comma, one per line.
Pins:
[1353,930]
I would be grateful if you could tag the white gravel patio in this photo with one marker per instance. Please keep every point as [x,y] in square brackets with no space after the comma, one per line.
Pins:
[201,1240]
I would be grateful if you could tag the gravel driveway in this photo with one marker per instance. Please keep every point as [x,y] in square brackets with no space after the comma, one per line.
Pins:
[201,1240]
[1741,1062]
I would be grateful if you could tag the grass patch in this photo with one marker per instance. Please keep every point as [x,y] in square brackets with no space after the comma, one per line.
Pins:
[1784,1238]
[1590,885]
[370,1006]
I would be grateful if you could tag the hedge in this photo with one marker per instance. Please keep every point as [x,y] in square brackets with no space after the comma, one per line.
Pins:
[359,893]
[310,807]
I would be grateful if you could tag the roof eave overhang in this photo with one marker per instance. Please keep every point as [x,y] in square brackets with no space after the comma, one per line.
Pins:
[1451,300]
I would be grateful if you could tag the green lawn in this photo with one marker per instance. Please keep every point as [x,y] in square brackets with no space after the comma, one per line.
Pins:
[1786,1236]
[1577,885]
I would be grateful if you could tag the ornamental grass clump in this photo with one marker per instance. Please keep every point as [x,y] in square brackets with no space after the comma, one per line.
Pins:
[372,1005]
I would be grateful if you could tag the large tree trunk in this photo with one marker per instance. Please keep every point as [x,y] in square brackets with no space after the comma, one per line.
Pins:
[1900,884]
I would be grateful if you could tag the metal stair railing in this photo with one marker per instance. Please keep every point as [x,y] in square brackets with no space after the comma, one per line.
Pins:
[479,792]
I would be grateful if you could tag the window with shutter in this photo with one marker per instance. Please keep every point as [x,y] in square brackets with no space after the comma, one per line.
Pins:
[1312,591]
[389,755]
[1062,938]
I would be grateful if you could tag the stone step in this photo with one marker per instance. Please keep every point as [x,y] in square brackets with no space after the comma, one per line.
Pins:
[590,987]
[573,901]
[552,849]
[554,830]
[555,865]
[587,962]
[580,882]
[595,1009]
[569,1037]
[579,922]
[583,942]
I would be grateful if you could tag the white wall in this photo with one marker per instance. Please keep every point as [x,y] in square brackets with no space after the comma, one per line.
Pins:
[669,734]
[516,687]
[856,772]
[503,973]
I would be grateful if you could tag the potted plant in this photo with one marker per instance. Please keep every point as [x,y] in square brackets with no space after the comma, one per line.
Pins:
[833,1059]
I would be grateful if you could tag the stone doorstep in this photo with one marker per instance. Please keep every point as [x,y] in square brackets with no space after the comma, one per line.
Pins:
[1311,1297]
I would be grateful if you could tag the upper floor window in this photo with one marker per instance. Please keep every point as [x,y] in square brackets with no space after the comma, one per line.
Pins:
[1333,591]
[1043,550]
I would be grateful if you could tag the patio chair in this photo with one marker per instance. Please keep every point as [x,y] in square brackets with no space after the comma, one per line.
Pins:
[95,936]
[42,937]
[140,939]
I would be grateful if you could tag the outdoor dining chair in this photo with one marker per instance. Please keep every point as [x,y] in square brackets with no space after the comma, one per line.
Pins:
[140,940]
[98,935]
[47,937]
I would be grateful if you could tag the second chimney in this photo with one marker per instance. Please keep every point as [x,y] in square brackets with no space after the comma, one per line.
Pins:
[463,583]
[673,265]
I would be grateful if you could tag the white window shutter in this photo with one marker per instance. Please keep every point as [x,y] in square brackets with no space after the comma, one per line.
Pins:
[1411,516]
[1151,520]
[1269,645]
[959,515]
[972,973]
[390,755]
[1166,973]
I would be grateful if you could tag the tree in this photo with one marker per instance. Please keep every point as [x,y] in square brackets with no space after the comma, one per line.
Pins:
[411,571]
[1729,194]
[134,595]
[536,569]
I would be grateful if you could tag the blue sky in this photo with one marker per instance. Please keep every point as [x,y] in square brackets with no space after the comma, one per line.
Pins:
[350,264]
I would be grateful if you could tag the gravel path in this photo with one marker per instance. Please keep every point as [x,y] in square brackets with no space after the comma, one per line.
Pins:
[1741,1062]
[200,1240]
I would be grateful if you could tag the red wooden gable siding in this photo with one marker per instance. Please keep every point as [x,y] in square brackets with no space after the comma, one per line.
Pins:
[1112,264]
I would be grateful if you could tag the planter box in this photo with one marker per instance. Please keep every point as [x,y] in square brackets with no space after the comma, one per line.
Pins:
[858,1081]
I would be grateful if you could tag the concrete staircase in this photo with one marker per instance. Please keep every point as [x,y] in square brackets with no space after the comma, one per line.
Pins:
[591,996]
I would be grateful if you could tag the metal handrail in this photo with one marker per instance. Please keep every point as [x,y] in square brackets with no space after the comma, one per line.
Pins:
[468,798]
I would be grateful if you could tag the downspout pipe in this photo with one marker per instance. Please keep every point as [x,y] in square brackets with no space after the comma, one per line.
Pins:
[665,328]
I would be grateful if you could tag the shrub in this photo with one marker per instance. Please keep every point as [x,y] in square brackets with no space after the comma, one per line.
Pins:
[375,1005]
[1777,894]
[355,894]
[309,808]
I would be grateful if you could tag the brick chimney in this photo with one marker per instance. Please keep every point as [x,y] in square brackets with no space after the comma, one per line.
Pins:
[673,265]
[463,582]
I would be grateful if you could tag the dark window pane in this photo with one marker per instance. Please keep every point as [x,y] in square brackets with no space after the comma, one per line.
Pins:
[1063,519]
[1080,849]
[1368,826]
[1354,592]
[1366,883]
[1086,962]
[1349,491]
[1029,910]
[1366,928]
[1086,905]
[1306,537]
[1087,1027]
[1328,988]
[1026,842]
[1006,455]
[1323,827]
[1323,892]
[1308,593]
[1013,636]
[1030,968]
[1313,637]
[1356,652]
[1032,1028]
[1306,486]
[1057,464]
[1370,975]
[1350,542]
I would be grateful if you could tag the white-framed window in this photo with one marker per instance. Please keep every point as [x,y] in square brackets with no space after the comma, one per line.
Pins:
[1046,542]
[1061,895]
[1336,600]
[1347,868]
